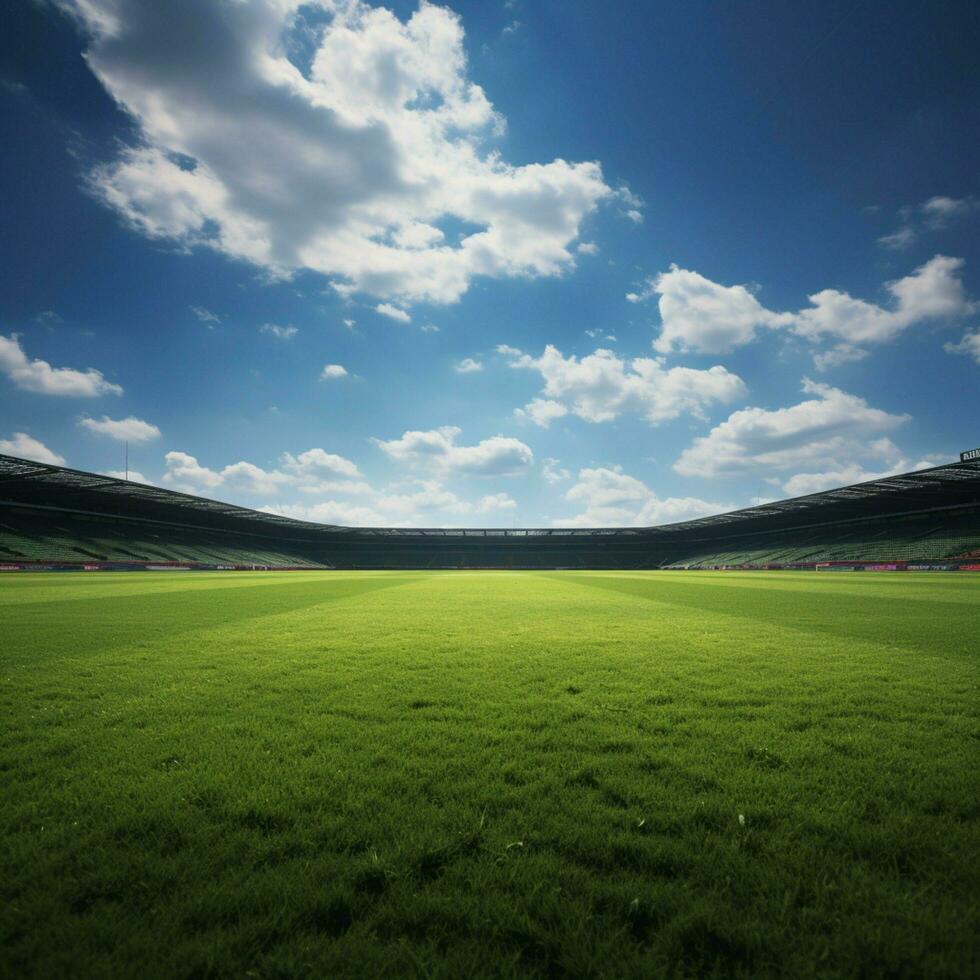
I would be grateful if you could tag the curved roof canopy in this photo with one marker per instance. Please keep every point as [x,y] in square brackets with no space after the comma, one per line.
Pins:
[27,482]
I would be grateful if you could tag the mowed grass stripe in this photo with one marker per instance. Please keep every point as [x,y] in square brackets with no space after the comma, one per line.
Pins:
[64,586]
[38,629]
[926,624]
[911,586]
[489,775]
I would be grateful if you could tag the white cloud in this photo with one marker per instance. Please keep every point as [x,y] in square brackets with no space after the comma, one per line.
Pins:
[129,429]
[904,237]
[631,204]
[185,473]
[206,316]
[344,487]
[601,386]
[467,366]
[317,464]
[969,345]
[38,376]
[311,472]
[437,449]
[495,502]
[841,354]
[393,312]
[842,476]
[350,324]
[49,318]
[279,332]
[332,371]
[134,476]
[704,316]
[707,317]
[27,447]
[940,210]
[249,478]
[542,411]
[553,471]
[429,328]
[587,248]
[932,291]
[346,165]
[932,215]
[333,512]
[425,503]
[611,498]
[350,499]
[831,430]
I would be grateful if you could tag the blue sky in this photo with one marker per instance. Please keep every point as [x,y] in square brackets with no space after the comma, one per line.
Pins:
[519,263]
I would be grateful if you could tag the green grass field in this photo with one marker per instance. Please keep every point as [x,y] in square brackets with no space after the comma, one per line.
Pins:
[466,774]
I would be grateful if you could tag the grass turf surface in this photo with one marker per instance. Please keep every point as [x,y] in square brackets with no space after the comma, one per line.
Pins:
[489,774]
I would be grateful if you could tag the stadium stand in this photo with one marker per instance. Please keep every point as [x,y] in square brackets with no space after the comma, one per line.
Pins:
[53,517]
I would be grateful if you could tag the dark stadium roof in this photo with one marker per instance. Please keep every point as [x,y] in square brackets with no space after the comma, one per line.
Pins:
[62,484]
[24,481]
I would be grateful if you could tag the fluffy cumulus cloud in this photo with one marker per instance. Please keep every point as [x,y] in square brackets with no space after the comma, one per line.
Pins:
[33,374]
[710,318]
[704,316]
[313,471]
[327,488]
[969,345]
[931,292]
[355,159]
[467,366]
[425,503]
[826,435]
[493,502]
[553,471]
[129,429]
[601,386]
[437,449]
[883,451]
[331,372]
[542,411]
[184,472]
[27,447]
[608,497]
[317,464]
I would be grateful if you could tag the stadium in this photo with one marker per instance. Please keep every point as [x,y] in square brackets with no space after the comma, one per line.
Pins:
[341,751]
[479,495]
[60,518]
